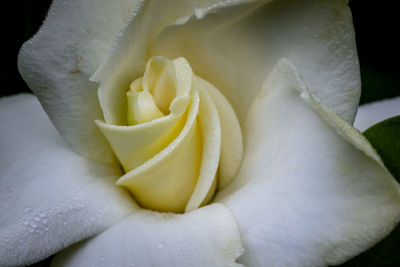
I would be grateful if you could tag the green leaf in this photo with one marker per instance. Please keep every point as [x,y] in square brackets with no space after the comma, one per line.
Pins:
[385,138]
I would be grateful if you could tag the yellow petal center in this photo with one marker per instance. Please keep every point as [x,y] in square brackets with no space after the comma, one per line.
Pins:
[171,148]
[141,105]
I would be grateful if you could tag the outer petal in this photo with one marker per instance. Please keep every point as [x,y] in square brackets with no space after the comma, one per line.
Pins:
[371,113]
[58,61]
[233,48]
[49,196]
[205,237]
[307,194]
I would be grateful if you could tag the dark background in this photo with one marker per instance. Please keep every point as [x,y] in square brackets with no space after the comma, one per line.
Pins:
[376,27]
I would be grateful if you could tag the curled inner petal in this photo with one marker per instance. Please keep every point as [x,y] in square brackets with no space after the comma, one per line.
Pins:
[141,105]
[171,148]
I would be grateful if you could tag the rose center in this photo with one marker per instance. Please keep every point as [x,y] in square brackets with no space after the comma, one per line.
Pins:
[173,145]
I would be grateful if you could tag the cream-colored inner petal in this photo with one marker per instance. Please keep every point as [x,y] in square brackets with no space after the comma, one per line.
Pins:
[211,132]
[231,135]
[141,105]
[148,132]
[160,80]
[170,148]
[166,181]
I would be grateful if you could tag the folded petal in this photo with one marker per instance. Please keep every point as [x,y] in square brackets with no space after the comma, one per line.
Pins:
[205,237]
[158,183]
[50,197]
[311,191]
[371,113]
[231,136]
[58,61]
[233,46]
[210,129]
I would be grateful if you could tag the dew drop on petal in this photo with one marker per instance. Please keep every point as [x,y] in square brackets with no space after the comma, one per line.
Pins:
[27,209]
[33,224]
[160,245]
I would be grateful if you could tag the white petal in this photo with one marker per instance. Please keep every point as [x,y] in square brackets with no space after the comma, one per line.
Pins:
[50,197]
[205,237]
[58,61]
[371,113]
[234,47]
[307,194]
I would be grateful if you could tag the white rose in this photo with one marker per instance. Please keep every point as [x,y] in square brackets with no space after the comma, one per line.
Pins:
[311,191]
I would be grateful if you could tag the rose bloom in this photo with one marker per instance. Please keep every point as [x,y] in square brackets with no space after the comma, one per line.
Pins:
[190,133]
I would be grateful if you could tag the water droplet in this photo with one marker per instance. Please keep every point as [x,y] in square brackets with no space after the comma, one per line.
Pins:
[46,228]
[33,224]
[37,219]
[25,223]
[42,214]
[44,221]
[31,229]
[160,245]
[27,209]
